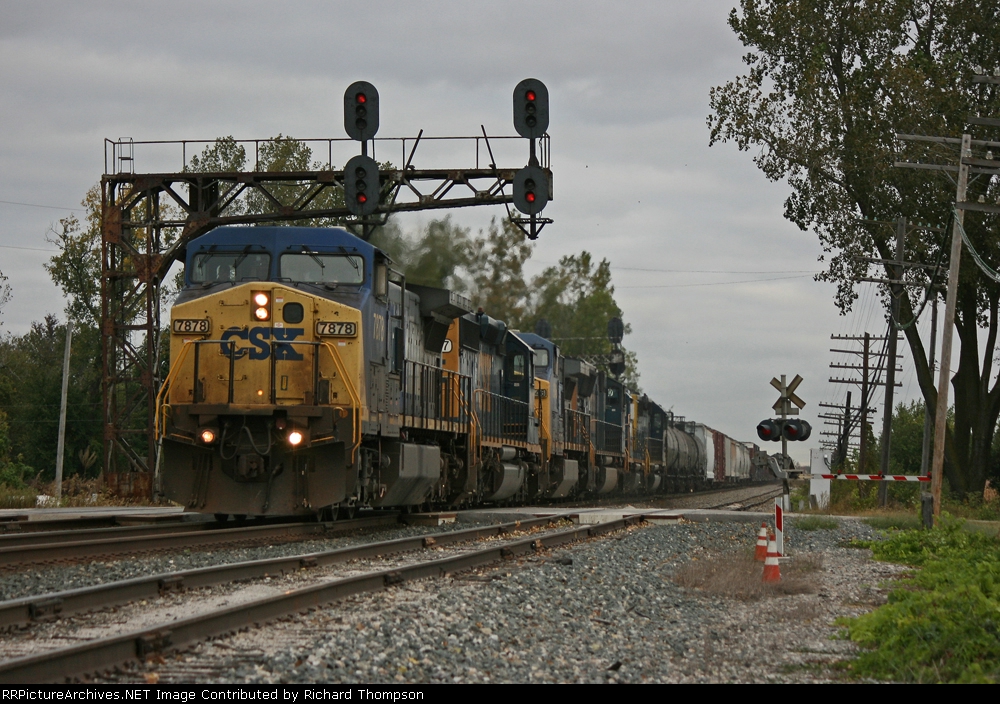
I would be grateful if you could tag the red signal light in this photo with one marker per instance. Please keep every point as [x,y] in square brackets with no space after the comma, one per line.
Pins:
[362,198]
[529,196]
[530,95]
[360,98]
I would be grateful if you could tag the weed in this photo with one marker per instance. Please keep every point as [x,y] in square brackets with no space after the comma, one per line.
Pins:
[943,625]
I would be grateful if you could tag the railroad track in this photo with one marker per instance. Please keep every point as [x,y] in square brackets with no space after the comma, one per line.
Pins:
[75,545]
[104,653]
[745,504]
[23,525]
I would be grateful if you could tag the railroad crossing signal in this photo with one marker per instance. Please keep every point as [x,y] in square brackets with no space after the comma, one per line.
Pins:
[788,404]
[361,111]
[531,108]
[769,429]
[794,429]
[787,398]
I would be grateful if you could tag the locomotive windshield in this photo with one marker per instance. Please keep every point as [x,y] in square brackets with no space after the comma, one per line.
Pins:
[316,268]
[232,267]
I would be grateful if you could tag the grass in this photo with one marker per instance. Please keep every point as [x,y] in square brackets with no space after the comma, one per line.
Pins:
[13,497]
[894,520]
[943,624]
[815,523]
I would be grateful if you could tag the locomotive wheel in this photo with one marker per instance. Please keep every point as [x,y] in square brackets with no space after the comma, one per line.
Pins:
[221,517]
[348,511]
[240,518]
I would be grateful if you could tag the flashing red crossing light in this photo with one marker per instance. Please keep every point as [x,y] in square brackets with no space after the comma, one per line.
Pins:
[769,430]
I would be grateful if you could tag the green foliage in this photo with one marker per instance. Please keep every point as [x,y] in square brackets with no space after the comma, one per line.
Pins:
[30,393]
[815,523]
[828,86]
[5,293]
[76,270]
[895,521]
[281,153]
[576,297]
[944,624]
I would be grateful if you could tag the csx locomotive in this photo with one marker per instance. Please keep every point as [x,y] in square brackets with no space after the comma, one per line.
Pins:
[308,377]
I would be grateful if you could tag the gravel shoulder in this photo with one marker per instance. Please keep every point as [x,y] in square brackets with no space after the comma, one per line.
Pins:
[607,610]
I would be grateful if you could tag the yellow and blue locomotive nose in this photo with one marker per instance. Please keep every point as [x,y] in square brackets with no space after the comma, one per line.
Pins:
[262,402]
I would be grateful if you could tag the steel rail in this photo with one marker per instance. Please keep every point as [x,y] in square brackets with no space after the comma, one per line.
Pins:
[16,612]
[23,525]
[103,654]
[71,535]
[116,546]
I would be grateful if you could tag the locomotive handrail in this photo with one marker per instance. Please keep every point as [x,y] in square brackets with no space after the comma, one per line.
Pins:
[477,428]
[355,398]
[174,369]
[504,402]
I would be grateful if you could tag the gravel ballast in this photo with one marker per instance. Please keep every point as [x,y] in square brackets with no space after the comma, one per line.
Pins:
[607,610]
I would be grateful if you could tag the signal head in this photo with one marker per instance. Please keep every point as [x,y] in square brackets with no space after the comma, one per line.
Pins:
[796,430]
[361,185]
[531,108]
[531,190]
[769,429]
[361,111]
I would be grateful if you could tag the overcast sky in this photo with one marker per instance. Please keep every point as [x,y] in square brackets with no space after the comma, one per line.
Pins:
[716,284]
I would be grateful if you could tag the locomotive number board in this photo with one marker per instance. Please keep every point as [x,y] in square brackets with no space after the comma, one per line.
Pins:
[197,326]
[329,329]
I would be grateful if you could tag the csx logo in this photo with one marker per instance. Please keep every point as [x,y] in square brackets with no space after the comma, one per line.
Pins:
[258,337]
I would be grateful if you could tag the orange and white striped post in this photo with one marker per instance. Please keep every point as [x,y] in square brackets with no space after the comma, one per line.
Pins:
[779,525]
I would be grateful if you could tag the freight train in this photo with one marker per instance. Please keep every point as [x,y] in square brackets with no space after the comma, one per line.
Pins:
[308,377]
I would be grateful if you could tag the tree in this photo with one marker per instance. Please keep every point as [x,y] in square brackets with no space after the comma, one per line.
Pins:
[5,293]
[577,299]
[435,255]
[495,270]
[30,393]
[828,87]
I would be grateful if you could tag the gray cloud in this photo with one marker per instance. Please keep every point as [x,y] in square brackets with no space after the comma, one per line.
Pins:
[634,178]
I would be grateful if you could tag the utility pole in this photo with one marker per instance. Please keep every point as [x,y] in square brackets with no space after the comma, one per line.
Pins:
[868,382]
[966,164]
[61,442]
[940,413]
[925,450]
[895,291]
[841,419]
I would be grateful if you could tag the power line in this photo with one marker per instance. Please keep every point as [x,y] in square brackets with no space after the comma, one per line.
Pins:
[717,283]
[36,205]
[30,249]
[711,271]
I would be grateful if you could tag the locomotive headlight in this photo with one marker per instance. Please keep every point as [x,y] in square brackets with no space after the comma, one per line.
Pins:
[262,306]
[294,438]
[207,436]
